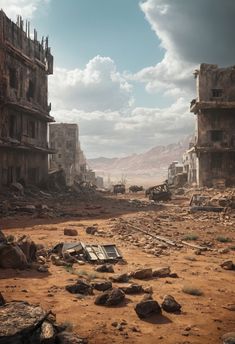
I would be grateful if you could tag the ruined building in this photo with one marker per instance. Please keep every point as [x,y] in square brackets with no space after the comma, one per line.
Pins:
[215,132]
[64,138]
[25,64]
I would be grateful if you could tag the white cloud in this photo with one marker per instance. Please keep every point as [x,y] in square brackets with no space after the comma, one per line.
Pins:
[25,8]
[191,32]
[113,133]
[97,87]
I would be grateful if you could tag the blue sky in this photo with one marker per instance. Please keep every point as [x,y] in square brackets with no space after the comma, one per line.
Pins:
[123,68]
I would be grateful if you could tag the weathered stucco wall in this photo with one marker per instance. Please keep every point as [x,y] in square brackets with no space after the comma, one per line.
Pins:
[210,78]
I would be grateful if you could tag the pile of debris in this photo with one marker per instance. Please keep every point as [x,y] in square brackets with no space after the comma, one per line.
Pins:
[24,323]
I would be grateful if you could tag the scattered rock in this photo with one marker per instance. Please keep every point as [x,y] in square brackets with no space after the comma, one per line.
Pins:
[229,338]
[123,278]
[145,309]
[102,285]
[133,289]
[162,272]
[170,305]
[142,273]
[104,268]
[91,230]
[80,287]
[110,298]
[223,250]
[70,231]
[228,265]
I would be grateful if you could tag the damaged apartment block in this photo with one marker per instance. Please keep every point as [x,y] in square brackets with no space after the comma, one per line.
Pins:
[24,111]
[215,136]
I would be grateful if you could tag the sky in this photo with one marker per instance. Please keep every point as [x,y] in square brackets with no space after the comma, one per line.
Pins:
[123,69]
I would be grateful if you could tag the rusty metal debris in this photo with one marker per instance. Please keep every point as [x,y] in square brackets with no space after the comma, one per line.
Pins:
[93,253]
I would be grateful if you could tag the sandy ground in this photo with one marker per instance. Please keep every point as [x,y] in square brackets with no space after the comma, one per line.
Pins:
[204,319]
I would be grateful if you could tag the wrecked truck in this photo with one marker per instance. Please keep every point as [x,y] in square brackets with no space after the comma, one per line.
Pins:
[159,192]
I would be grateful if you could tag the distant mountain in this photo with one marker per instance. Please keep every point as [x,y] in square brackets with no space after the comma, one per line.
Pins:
[154,162]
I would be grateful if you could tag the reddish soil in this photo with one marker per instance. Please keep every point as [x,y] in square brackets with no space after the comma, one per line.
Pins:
[203,320]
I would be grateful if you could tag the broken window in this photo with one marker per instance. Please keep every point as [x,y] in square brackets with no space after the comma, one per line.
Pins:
[31,90]
[216,160]
[216,135]
[10,174]
[59,156]
[18,173]
[217,93]
[13,78]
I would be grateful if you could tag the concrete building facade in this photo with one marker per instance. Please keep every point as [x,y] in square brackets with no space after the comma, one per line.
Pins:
[215,130]
[25,64]
[64,138]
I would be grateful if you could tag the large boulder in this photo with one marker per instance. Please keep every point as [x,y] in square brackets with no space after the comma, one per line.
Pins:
[80,287]
[123,278]
[18,322]
[145,309]
[11,256]
[143,273]
[110,298]
[170,305]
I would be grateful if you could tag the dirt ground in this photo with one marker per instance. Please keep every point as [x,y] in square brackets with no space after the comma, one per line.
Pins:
[203,320]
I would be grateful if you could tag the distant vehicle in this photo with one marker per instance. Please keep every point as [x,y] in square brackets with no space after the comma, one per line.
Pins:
[119,188]
[135,188]
[159,192]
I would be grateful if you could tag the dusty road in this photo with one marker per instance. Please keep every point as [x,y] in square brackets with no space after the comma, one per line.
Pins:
[203,318]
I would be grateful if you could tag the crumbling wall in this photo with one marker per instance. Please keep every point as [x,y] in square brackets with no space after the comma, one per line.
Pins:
[216,128]
[25,167]
[216,165]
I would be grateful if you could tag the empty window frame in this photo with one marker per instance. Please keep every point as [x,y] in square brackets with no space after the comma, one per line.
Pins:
[216,160]
[31,90]
[217,92]
[216,135]
[12,126]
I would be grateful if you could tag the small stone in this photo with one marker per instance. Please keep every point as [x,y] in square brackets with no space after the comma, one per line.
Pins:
[42,268]
[105,268]
[110,298]
[70,232]
[123,278]
[143,273]
[47,334]
[170,304]
[80,287]
[133,289]
[145,309]
[91,230]
[228,265]
[102,285]
[162,272]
